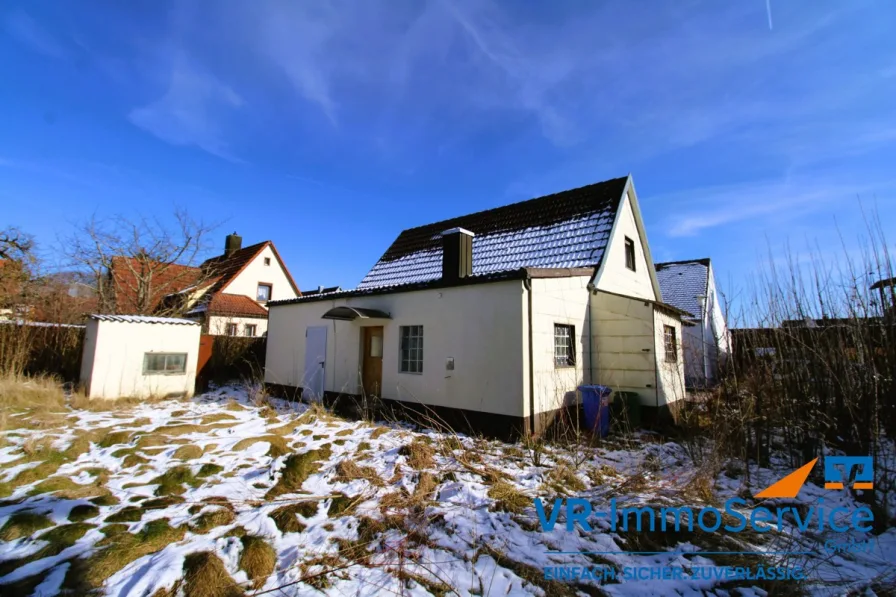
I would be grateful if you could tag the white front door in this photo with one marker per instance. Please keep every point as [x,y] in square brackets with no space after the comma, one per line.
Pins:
[315,359]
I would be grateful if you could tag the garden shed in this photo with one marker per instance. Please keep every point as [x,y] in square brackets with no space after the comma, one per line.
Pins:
[139,356]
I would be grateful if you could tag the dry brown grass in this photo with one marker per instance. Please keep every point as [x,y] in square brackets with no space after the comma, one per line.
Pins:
[257,560]
[217,418]
[297,468]
[23,524]
[378,431]
[286,429]
[188,452]
[508,498]
[426,485]
[278,448]
[285,516]
[118,549]
[207,521]
[562,479]
[206,576]
[419,454]
[347,471]
[40,392]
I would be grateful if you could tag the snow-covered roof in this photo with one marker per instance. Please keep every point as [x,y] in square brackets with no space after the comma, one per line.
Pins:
[143,319]
[681,282]
[564,230]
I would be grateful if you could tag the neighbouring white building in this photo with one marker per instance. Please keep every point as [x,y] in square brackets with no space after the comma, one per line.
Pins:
[691,286]
[139,356]
[495,317]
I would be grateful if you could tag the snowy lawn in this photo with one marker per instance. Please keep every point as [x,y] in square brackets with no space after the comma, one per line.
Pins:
[216,496]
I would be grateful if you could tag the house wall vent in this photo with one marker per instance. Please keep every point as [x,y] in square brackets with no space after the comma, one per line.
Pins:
[457,254]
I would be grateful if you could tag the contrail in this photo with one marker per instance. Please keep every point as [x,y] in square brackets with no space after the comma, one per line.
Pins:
[768,9]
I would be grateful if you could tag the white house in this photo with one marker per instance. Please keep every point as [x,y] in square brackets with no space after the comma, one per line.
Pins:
[691,286]
[139,356]
[495,317]
[239,283]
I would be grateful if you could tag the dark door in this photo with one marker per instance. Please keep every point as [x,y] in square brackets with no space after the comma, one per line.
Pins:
[372,361]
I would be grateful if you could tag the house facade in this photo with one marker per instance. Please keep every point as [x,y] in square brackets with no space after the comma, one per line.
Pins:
[227,294]
[496,317]
[691,286]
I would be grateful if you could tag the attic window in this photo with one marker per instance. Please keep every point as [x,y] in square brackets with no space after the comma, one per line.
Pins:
[629,253]
[267,260]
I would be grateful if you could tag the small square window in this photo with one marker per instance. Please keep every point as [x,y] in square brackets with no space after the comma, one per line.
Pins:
[251,329]
[671,344]
[232,329]
[629,253]
[267,260]
[411,349]
[564,345]
[164,363]
[264,293]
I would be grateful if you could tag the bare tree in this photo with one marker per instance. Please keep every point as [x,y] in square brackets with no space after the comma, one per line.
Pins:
[137,264]
[17,264]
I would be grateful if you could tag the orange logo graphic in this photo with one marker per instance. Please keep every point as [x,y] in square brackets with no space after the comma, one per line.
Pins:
[790,486]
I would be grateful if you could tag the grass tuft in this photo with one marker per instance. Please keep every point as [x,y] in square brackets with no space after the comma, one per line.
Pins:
[126,514]
[206,576]
[257,560]
[419,454]
[188,452]
[173,481]
[208,521]
[23,524]
[285,517]
[296,469]
[508,498]
[347,471]
[278,448]
[83,512]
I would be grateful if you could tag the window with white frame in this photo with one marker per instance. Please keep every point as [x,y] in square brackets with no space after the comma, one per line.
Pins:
[671,344]
[411,349]
[564,345]
[232,329]
[164,363]
[250,329]
[264,293]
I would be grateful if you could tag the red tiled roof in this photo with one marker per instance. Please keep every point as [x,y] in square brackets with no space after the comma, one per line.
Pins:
[217,272]
[166,279]
[236,305]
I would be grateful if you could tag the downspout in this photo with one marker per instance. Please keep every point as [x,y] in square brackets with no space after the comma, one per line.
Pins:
[592,292]
[527,284]
[656,361]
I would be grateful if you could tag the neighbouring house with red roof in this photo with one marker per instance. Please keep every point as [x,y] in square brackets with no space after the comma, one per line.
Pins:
[227,294]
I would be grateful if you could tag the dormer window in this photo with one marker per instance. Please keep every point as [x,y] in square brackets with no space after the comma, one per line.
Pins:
[264,293]
[629,253]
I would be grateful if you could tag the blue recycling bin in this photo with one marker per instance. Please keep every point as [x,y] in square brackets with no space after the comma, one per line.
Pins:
[595,400]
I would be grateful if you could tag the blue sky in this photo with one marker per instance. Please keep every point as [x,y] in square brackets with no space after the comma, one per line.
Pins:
[330,126]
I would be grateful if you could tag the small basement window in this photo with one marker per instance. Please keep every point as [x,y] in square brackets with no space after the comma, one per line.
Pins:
[411,349]
[251,329]
[671,344]
[164,363]
[232,329]
[564,345]
[629,253]
[264,293]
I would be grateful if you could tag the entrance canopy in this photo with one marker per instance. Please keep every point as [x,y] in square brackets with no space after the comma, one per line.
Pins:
[352,313]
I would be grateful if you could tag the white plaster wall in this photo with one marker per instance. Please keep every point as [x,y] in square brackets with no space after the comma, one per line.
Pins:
[257,272]
[217,325]
[480,325]
[670,375]
[559,301]
[624,345]
[113,359]
[613,275]
[717,336]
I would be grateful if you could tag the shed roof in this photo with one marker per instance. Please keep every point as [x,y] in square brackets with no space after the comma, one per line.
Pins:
[681,282]
[143,319]
[237,305]
[564,230]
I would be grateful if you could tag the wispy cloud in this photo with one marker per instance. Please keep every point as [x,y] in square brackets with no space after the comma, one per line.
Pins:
[29,32]
[768,203]
[190,111]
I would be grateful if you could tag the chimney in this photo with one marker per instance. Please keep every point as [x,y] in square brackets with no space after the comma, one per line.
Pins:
[232,244]
[457,254]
